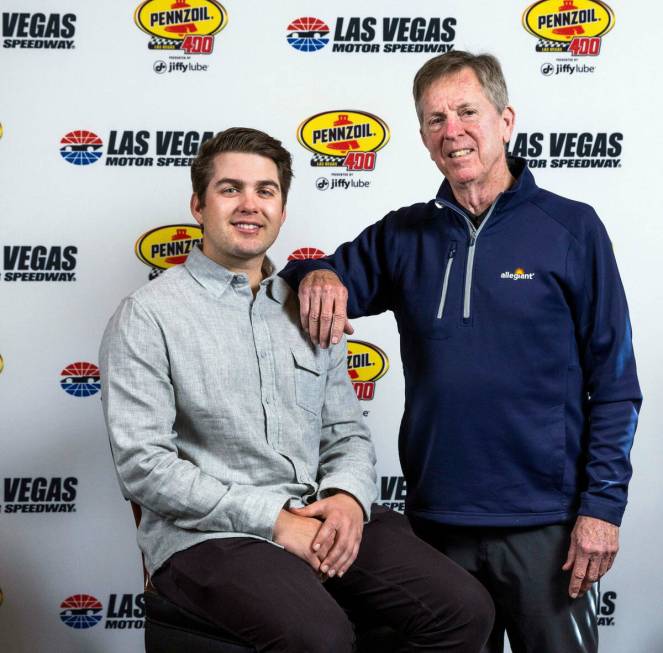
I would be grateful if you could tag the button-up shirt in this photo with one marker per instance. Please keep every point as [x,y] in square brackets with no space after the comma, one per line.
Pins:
[221,412]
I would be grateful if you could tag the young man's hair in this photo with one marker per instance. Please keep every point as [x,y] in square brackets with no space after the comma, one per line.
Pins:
[485,66]
[245,140]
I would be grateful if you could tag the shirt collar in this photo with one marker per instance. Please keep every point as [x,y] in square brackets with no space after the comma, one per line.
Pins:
[216,278]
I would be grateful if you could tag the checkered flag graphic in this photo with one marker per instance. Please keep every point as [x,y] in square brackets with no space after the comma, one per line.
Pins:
[159,43]
[544,45]
[326,161]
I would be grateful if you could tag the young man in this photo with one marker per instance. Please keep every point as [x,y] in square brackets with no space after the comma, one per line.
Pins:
[244,444]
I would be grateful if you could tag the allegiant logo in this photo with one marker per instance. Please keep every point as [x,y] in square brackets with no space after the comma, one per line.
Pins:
[517,275]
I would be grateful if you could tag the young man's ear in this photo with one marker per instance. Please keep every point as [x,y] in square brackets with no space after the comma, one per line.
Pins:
[196,206]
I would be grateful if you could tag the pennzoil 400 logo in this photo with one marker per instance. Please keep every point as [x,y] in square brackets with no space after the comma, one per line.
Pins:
[366,365]
[342,138]
[573,27]
[186,25]
[163,247]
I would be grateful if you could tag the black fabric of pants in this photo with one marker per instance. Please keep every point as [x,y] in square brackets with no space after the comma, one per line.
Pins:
[274,600]
[522,570]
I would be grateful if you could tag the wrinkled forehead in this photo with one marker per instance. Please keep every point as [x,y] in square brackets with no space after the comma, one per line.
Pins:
[454,87]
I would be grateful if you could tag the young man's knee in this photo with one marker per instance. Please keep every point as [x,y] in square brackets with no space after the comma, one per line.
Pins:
[328,634]
[476,610]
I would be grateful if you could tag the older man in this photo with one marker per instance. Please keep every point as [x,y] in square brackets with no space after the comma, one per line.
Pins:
[521,394]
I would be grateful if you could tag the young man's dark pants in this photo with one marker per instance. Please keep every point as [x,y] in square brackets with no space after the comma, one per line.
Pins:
[276,602]
[522,570]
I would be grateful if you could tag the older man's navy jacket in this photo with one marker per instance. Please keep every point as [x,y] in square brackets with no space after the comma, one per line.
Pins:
[521,393]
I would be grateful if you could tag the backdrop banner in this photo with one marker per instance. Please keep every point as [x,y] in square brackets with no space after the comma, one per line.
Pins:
[103,107]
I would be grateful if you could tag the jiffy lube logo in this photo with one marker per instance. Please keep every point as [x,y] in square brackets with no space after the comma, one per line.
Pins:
[187,25]
[570,26]
[366,364]
[163,247]
[344,138]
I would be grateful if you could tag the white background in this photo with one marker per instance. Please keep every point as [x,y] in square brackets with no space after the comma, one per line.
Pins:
[255,78]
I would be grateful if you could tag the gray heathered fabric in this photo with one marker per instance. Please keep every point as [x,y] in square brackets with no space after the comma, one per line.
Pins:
[220,411]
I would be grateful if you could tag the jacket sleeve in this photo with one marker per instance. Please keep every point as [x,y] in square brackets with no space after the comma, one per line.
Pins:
[139,406]
[613,395]
[347,456]
[363,267]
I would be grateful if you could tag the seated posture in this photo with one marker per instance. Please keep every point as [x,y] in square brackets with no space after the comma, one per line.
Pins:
[245,445]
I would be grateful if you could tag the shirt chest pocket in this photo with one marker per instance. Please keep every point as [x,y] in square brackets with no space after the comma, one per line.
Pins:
[309,380]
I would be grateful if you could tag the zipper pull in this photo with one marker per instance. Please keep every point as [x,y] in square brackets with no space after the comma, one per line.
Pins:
[452,251]
[473,239]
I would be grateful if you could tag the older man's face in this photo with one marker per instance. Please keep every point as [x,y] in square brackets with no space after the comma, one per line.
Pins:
[462,130]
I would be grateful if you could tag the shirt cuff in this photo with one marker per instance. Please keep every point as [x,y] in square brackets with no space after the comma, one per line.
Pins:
[364,493]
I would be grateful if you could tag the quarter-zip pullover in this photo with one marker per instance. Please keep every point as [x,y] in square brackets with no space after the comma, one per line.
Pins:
[521,393]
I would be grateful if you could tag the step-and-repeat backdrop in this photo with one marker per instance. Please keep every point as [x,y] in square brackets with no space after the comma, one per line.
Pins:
[103,106]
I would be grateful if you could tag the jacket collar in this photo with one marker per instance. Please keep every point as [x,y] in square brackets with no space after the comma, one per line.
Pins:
[524,187]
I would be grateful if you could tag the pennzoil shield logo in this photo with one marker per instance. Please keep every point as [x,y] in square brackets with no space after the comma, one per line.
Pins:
[572,26]
[366,364]
[187,25]
[164,247]
[344,138]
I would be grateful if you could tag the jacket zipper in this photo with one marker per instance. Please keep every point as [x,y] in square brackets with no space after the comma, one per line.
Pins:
[445,283]
[471,248]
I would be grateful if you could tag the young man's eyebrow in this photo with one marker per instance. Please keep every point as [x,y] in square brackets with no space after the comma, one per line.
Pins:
[240,184]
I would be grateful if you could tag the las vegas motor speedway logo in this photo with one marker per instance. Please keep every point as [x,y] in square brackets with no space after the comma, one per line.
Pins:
[569,149]
[568,30]
[133,148]
[81,379]
[179,29]
[25,494]
[368,34]
[43,263]
[393,491]
[84,611]
[38,31]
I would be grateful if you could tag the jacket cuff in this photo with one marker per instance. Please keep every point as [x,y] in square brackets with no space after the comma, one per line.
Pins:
[600,509]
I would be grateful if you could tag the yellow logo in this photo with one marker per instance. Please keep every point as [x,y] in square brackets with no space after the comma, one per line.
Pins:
[177,19]
[349,138]
[565,20]
[366,364]
[2,364]
[167,246]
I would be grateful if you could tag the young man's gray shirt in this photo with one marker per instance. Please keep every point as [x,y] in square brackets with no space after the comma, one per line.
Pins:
[220,412]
